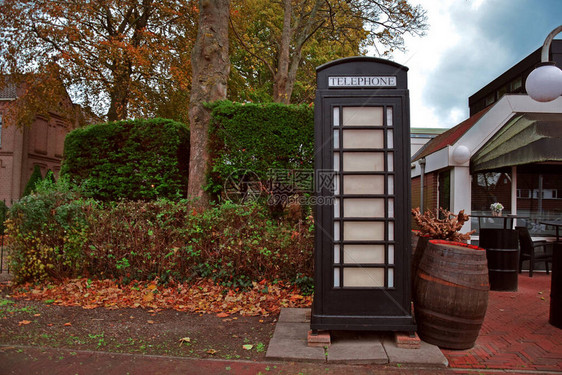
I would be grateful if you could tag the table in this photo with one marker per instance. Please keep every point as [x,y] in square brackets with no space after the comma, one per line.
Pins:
[556,224]
[505,219]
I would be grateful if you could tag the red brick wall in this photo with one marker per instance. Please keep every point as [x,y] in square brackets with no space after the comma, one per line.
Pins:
[430,192]
[21,149]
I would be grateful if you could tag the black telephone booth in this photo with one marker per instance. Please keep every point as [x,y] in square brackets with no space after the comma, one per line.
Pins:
[362,164]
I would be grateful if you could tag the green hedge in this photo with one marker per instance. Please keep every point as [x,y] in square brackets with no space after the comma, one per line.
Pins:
[259,138]
[137,159]
[47,232]
[55,234]
[34,179]
[3,216]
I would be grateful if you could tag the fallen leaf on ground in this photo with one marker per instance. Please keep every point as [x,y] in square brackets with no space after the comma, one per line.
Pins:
[200,296]
[23,322]
[150,321]
[247,347]
[67,324]
[211,351]
[185,340]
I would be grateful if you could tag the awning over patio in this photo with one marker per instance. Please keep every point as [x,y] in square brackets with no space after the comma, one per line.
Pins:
[526,138]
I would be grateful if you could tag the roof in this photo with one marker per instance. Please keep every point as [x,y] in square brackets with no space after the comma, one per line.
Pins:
[429,131]
[528,138]
[450,136]
[356,59]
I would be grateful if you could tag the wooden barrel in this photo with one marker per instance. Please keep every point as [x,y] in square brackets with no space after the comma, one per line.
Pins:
[502,251]
[416,258]
[556,287]
[451,294]
[415,235]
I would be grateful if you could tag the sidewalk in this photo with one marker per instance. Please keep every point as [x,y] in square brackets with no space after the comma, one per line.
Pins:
[516,338]
[516,334]
[30,361]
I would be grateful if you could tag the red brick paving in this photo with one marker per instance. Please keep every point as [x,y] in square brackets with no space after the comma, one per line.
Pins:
[516,334]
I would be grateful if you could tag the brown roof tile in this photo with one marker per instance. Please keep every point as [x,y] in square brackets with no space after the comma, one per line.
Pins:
[450,136]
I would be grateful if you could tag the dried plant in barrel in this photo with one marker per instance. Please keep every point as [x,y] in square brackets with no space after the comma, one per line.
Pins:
[447,228]
[431,227]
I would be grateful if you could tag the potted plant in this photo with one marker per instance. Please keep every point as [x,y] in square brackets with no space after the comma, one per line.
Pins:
[496,208]
[450,289]
[432,227]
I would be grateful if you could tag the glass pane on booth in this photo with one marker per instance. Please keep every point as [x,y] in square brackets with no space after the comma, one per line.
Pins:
[336,277]
[363,138]
[336,116]
[391,278]
[363,207]
[336,254]
[363,161]
[362,116]
[363,277]
[363,254]
[363,231]
[363,184]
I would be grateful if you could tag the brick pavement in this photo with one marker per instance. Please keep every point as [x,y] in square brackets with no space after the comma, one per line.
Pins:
[516,334]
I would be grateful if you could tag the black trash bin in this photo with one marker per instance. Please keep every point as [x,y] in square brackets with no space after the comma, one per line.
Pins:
[502,251]
[556,287]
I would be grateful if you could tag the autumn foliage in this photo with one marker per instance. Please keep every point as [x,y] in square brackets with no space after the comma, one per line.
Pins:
[201,296]
[445,228]
[121,58]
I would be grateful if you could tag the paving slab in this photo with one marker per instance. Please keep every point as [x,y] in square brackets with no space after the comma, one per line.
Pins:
[294,315]
[294,350]
[294,331]
[427,354]
[289,342]
[357,349]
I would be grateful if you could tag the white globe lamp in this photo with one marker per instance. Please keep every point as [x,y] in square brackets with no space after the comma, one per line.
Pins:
[461,154]
[544,84]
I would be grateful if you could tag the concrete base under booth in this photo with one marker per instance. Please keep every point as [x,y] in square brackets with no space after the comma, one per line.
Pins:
[290,342]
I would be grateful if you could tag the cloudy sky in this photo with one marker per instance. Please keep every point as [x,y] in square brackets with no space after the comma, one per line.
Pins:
[467,45]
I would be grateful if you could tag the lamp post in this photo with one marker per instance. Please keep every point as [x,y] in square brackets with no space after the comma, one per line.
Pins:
[544,84]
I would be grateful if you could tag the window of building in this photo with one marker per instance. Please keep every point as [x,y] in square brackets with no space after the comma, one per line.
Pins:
[445,189]
[488,188]
[503,90]
[539,193]
[516,84]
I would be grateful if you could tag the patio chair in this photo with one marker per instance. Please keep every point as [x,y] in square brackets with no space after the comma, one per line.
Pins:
[529,250]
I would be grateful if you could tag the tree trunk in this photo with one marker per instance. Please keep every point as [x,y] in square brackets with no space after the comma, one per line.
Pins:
[280,80]
[119,96]
[210,68]
[287,66]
